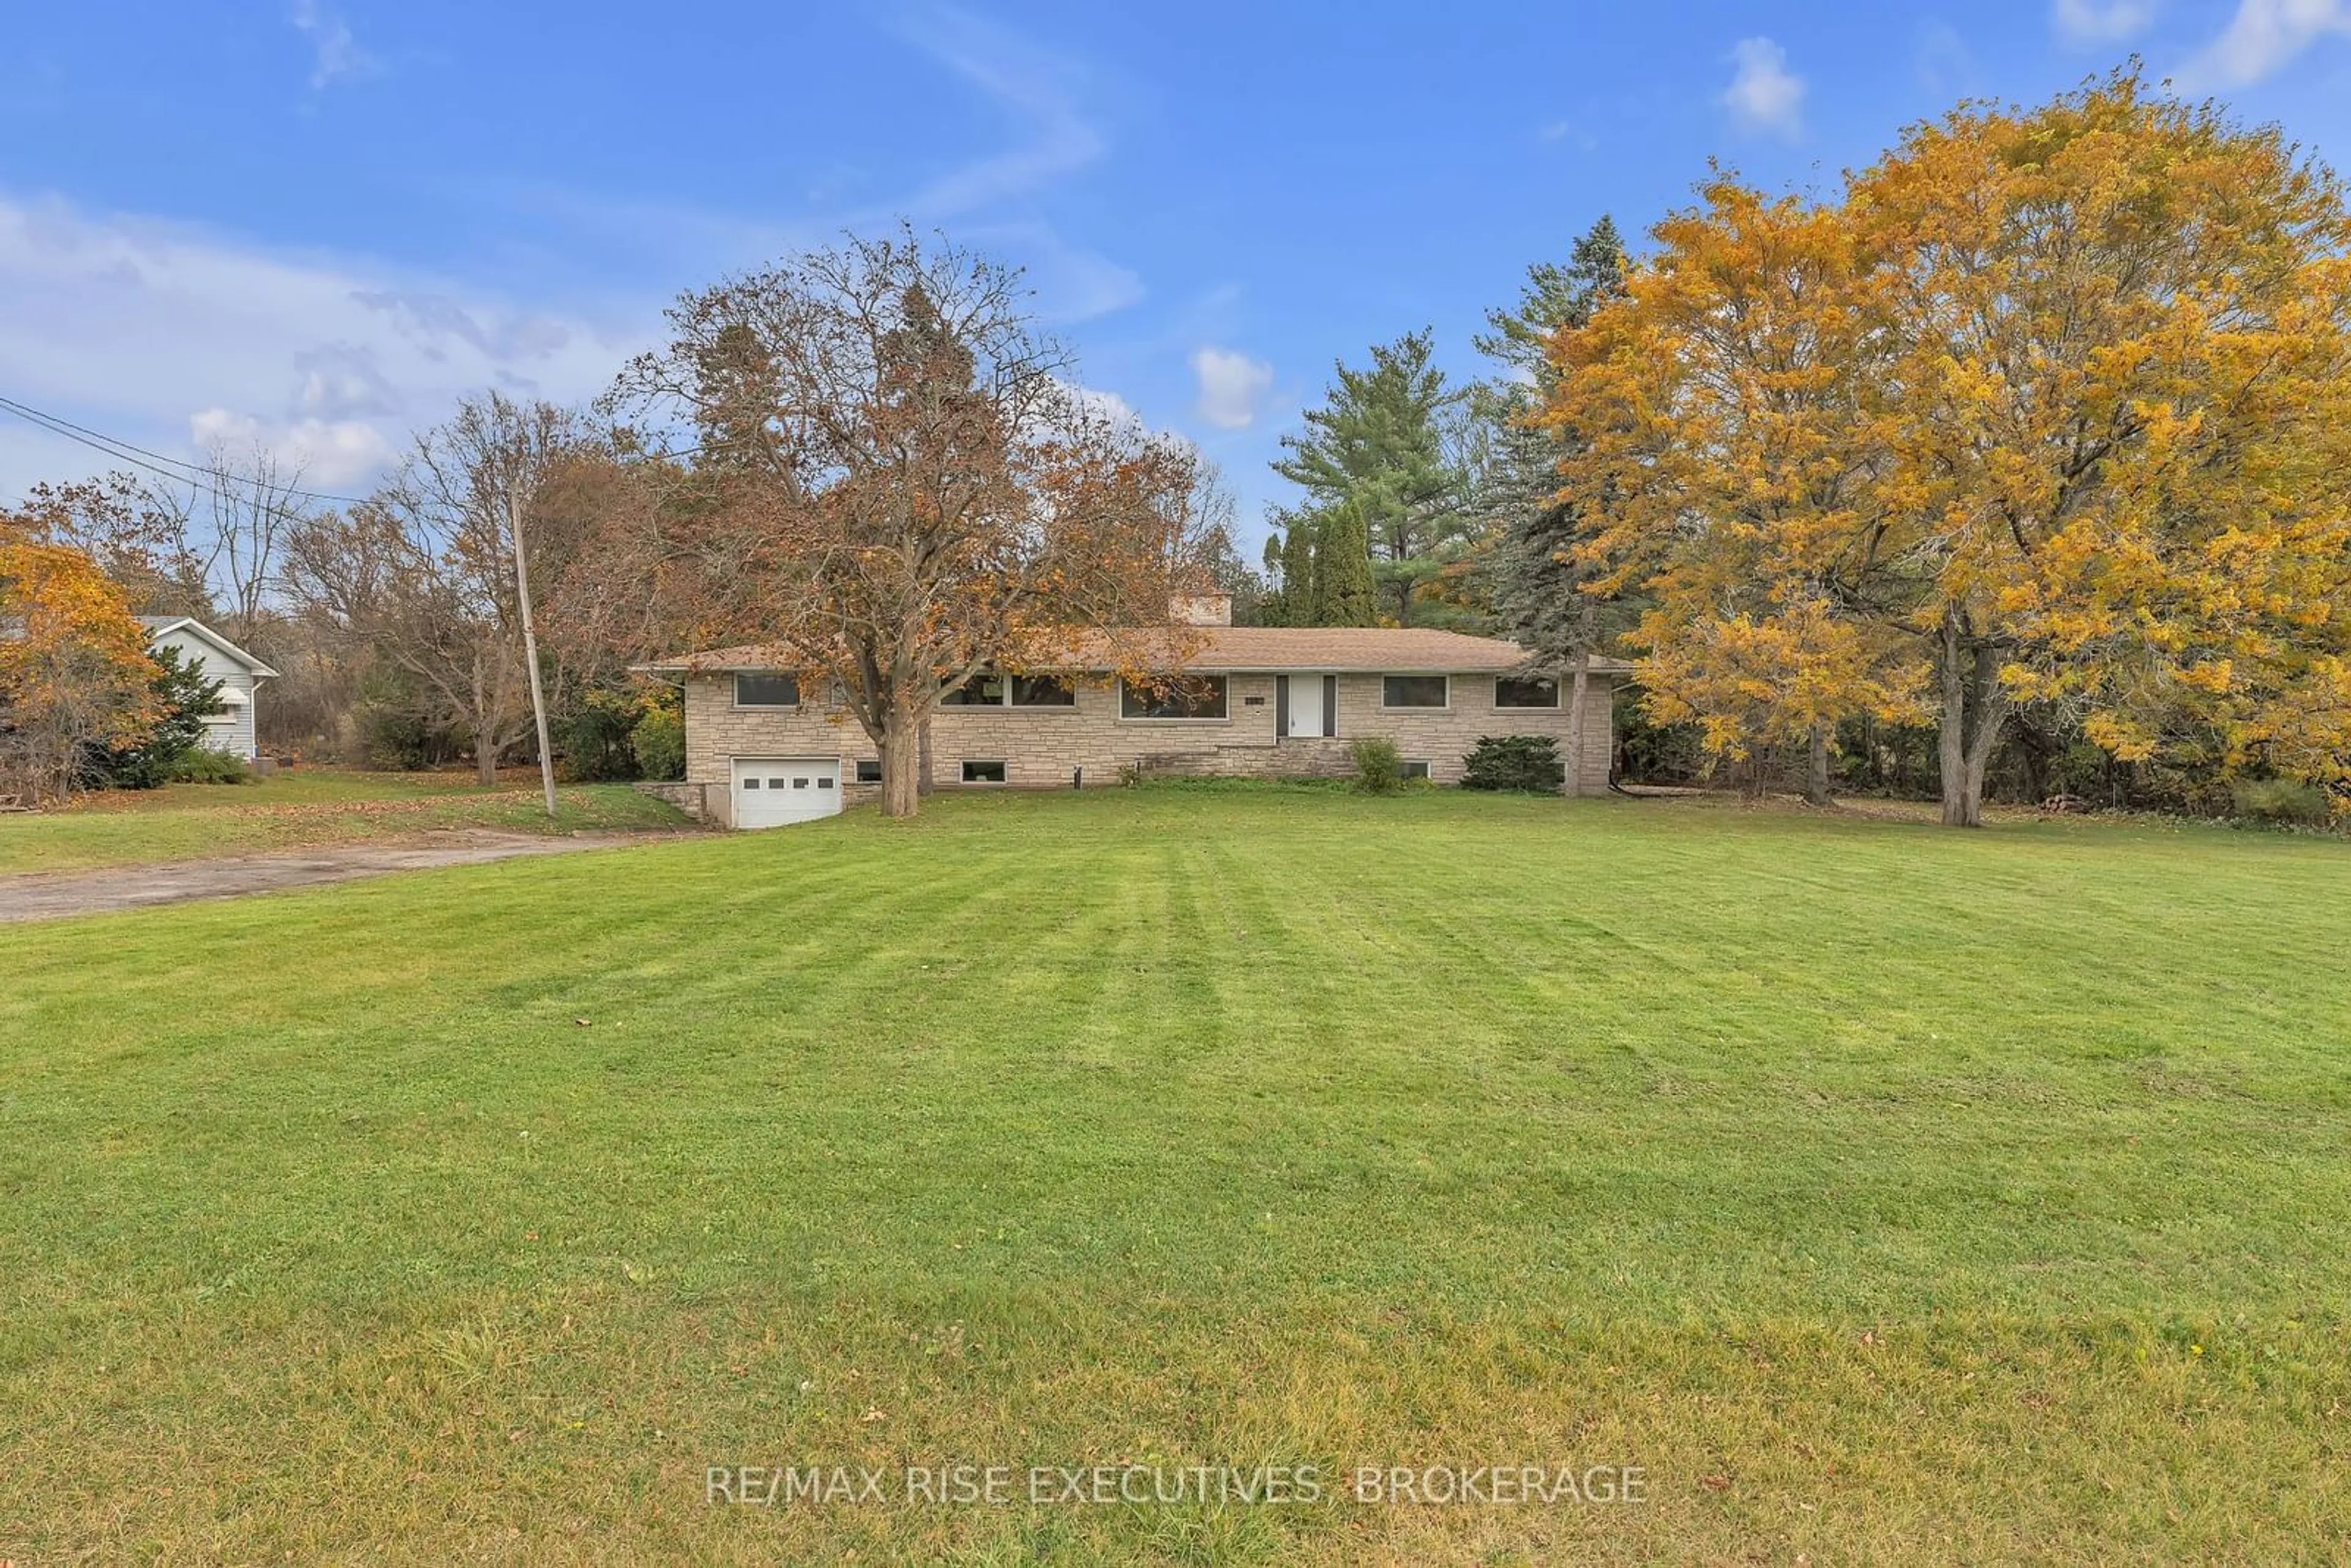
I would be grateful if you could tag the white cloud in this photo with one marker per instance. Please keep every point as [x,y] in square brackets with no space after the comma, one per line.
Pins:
[2264,36]
[330,453]
[1045,92]
[987,198]
[1104,406]
[1945,64]
[335,52]
[1036,85]
[1764,95]
[166,336]
[2089,22]
[1232,385]
[1072,283]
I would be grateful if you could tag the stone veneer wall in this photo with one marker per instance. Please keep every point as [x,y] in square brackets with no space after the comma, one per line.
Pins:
[1045,748]
[693,799]
[1443,736]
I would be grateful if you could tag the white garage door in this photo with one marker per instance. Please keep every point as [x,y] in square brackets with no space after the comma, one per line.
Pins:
[770,793]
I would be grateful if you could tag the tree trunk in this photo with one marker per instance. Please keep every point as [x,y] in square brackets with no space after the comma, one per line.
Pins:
[923,755]
[1579,697]
[901,766]
[1587,634]
[1816,767]
[1951,737]
[485,754]
[2039,750]
[1974,708]
[530,653]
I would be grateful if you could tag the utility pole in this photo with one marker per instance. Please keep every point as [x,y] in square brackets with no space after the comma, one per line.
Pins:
[530,642]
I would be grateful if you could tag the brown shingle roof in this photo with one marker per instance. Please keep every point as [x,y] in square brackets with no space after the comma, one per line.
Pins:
[1217,649]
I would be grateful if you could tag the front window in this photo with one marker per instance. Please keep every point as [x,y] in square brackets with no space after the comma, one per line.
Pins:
[980,691]
[1043,691]
[1509,693]
[989,690]
[1415,691]
[1196,698]
[766,691]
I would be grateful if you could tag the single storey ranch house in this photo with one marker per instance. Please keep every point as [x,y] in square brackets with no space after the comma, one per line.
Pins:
[1262,701]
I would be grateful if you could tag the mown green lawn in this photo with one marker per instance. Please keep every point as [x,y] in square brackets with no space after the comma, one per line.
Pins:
[301,809]
[1882,1191]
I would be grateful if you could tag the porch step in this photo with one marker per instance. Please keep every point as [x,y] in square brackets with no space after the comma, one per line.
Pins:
[1308,758]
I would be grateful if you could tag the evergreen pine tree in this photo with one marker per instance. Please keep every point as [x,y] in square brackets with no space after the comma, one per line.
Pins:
[1381,449]
[1535,588]
[1343,589]
[1274,608]
[1555,296]
[1535,591]
[1300,604]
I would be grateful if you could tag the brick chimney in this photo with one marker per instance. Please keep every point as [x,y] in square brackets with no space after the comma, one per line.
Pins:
[1201,610]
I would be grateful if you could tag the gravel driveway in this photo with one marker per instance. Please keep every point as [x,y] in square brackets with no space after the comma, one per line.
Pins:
[52,895]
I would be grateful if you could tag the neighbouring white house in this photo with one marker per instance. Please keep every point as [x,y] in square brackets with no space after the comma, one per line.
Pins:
[240,675]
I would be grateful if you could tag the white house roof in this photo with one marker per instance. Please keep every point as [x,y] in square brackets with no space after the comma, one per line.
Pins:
[160,626]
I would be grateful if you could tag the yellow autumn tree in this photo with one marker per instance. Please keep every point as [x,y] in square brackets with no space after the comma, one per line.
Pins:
[1725,428]
[2120,409]
[73,669]
[2093,373]
[1777,678]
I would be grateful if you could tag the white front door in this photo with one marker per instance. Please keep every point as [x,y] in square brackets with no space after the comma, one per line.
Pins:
[770,793]
[1305,705]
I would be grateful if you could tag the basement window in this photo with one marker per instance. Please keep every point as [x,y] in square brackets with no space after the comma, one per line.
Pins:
[1416,770]
[983,772]
[766,691]
[869,770]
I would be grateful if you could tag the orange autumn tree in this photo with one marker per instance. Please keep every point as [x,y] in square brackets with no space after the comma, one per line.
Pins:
[1731,458]
[2095,360]
[895,486]
[73,669]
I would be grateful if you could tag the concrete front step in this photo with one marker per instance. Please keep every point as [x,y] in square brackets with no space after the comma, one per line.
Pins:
[1304,757]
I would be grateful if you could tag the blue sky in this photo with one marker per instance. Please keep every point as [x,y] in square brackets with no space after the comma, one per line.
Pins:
[313,222]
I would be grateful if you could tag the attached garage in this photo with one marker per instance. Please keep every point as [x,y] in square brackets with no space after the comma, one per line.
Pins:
[771,792]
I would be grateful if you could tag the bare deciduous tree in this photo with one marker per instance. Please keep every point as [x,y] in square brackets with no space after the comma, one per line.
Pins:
[897,485]
[479,478]
[206,544]
[438,611]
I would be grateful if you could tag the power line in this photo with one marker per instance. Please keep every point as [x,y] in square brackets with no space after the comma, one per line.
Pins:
[171,468]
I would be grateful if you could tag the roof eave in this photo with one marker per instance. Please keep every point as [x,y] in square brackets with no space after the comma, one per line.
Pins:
[1612,667]
[197,628]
